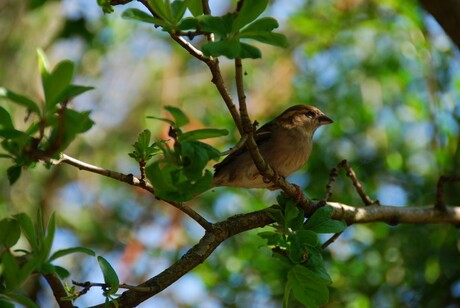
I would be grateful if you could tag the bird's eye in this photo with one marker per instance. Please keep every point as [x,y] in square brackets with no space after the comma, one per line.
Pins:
[310,114]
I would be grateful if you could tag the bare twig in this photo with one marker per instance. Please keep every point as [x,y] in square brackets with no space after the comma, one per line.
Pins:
[330,184]
[237,146]
[126,178]
[87,285]
[132,180]
[351,173]
[331,240]
[440,204]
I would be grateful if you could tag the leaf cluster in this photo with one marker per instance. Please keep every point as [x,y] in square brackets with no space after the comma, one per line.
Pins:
[230,30]
[52,126]
[179,174]
[295,240]
[16,266]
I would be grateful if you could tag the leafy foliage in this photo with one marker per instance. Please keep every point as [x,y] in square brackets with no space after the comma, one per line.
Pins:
[54,126]
[230,29]
[17,265]
[297,242]
[179,175]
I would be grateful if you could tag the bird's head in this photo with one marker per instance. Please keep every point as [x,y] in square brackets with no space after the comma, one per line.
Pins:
[305,117]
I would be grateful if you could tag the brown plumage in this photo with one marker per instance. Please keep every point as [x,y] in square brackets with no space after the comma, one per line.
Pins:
[285,143]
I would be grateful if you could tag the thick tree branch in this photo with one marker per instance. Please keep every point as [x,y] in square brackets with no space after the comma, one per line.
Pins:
[395,215]
[244,222]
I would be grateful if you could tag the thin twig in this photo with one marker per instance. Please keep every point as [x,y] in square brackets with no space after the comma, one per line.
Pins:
[237,146]
[331,240]
[359,188]
[126,178]
[440,203]
[132,180]
[330,184]
[87,285]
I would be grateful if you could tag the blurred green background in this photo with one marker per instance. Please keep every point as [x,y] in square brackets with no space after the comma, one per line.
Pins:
[383,70]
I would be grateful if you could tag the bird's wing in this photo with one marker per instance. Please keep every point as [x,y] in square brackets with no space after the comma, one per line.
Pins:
[261,135]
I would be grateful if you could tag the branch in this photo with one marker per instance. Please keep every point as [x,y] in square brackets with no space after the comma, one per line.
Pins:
[132,180]
[440,205]
[126,178]
[356,183]
[395,215]
[58,291]
[265,169]
[195,256]
[244,222]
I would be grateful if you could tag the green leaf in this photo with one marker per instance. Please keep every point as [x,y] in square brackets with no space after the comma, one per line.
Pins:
[195,7]
[10,232]
[179,116]
[72,91]
[266,24]
[228,48]
[22,299]
[250,10]
[188,23]
[43,65]
[5,304]
[49,237]
[20,100]
[195,158]
[304,244]
[178,9]
[275,39]
[203,134]
[110,276]
[57,82]
[63,252]
[13,134]
[249,52]
[61,272]
[30,266]
[308,287]
[5,119]
[13,173]
[163,9]
[10,272]
[220,25]
[74,123]
[28,229]
[321,222]
[105,5]
[160,178]
[170,122]
[138,15]
[273,238]
[293,215]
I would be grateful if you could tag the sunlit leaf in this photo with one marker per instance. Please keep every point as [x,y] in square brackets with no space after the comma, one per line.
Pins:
[10,232]
[249,11]
[63,252]
[110,276]
[179,116]
[20,100]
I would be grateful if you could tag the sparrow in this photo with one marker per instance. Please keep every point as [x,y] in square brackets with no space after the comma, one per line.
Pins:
[285,143]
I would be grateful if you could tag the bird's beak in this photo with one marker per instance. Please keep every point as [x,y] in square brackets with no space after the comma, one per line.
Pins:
[324,120]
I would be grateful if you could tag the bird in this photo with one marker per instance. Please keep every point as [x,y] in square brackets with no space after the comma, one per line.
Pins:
[285,143]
